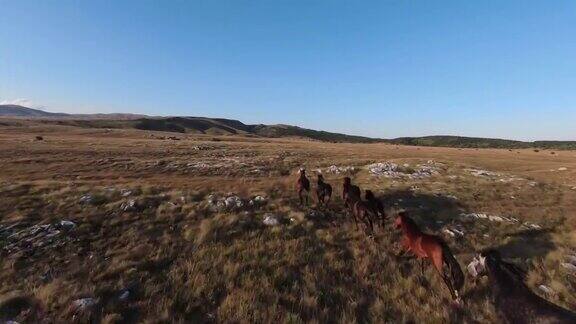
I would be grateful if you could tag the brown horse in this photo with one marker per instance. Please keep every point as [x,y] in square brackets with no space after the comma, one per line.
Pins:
[303,187]
[323,191]
[362,212]
[376,207]
[426,246]
[350,193]
[514,301]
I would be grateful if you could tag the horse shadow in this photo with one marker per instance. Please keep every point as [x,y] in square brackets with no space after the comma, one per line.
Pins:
[430,211]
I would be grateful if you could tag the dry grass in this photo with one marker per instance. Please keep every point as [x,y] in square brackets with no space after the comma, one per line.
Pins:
[183,261]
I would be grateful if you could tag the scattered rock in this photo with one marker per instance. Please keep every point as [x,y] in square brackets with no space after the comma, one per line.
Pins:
[392,170]
[39,138]
[475,267]
[82,309]
[124,295]
[568,266]
[86,199]
[547,290]
[67,225]
[340,170]
[128,206]
[257,201]
[18,238]
[482,173]
[314,214]
[272,220]
[233,202]
[562,169]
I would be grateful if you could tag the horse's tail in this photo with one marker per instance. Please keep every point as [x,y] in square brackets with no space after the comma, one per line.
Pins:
[456,273]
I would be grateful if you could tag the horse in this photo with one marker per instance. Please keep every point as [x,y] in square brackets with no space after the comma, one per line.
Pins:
[350,193]
[323,191]
[361,211]
[303,186]
[426,246]
[376,206]
[514,301]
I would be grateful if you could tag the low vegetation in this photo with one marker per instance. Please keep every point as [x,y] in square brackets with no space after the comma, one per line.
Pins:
[115,225]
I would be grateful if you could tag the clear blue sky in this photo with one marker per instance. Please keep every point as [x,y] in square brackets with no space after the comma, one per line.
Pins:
[377,68]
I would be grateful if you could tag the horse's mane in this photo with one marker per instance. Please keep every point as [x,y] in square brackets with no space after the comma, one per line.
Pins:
[410,223]
[370,195]
[504,268]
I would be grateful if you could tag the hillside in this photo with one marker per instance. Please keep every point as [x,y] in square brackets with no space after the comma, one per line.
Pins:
[219,126]
[223,126]
[20,111]
[478,142]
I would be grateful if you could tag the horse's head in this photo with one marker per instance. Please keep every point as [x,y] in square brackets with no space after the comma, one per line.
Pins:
[369,195]
[347,181]
[320,177]
[401,219]
[302,171]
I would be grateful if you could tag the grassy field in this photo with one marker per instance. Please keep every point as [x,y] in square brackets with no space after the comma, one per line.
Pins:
[150,242]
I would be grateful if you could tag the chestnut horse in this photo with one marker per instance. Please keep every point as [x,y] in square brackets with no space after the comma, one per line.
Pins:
[426,246]
[350,193]
[303,186]
[514,301]
[376,207]
[323,191]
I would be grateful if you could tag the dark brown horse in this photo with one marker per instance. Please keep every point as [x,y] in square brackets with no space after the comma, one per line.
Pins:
[323,191]
[303,187]
[426,246]
[350,193]
[362,212]
[514,301]
[376,206]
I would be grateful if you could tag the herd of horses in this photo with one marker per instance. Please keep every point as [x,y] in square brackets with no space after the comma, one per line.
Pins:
[513,299]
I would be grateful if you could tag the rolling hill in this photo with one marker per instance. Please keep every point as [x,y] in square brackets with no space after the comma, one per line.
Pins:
[20,111]
[222,126]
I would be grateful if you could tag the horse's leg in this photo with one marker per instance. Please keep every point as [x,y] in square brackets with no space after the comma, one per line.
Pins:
[371,225]
[422,266]
[437,259]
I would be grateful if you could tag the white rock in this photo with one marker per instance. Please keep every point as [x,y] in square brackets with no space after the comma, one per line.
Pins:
[568,266]
[449,232]
[84,303]
[495,219]
[475,267]
[562,169]
[67,224]
[86,199]
[547,290]
[271,220]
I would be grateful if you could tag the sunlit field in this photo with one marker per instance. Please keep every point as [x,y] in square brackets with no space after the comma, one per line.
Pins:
[127,225]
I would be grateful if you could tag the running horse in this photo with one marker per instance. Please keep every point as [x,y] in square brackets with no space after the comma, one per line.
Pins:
[350,193]
[433,248]
[303,186]
[514,301]
[323,191]
[375,206]
[362,212]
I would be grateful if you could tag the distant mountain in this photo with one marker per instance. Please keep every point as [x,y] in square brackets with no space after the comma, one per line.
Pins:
[478,142]
[20,111]
[222,126]
[25,112]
